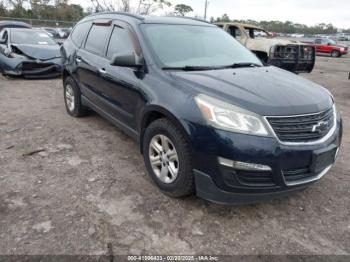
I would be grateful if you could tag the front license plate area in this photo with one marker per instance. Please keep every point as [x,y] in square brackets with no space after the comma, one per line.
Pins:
[323,159]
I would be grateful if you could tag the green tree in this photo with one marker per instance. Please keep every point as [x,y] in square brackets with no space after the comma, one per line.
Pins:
[3,10]
[285,27]
[182,9]
[223,18]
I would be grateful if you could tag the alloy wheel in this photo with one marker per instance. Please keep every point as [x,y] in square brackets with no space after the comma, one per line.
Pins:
[164,158]
[70,97]
[335,54]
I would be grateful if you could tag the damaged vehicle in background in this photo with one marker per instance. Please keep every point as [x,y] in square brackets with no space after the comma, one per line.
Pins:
[290,55]
[13,24]
[30,53]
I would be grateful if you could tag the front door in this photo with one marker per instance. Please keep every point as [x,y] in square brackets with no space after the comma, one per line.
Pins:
[121,84]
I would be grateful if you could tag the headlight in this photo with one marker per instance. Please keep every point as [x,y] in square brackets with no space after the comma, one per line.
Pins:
[342,49]
[225,116]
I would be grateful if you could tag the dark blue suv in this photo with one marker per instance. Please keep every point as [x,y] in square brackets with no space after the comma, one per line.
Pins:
[209,116]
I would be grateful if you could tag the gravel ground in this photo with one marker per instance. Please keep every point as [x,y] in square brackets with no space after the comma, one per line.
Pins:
[86,187]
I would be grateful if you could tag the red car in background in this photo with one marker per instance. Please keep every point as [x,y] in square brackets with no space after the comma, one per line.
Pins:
[328,46]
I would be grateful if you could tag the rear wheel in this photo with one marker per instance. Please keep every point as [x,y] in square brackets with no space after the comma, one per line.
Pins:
[72,98]
[335,53]
[168,158]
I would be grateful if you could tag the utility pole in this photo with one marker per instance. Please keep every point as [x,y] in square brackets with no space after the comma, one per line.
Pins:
[205,9]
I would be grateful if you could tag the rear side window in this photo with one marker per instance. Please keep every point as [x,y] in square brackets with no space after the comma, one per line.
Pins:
[97,37]
[120,42]
[80,32]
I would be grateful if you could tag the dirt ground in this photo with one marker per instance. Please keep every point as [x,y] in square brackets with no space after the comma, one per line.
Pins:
[86,186]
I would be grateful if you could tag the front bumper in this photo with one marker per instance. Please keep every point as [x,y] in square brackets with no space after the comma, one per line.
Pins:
[33,69]
[290,165]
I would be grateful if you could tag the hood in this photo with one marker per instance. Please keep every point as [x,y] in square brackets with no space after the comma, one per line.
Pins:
[342,46]
[264,44]
[267,91]
[42,52]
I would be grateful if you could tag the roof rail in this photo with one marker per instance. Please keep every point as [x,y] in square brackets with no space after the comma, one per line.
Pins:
[118,13]
[195,19]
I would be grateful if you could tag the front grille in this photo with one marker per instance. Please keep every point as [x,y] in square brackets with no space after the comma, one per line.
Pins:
[294,52]
[286,52]
[28,66]
[304,128]
[254,178]
[307,53]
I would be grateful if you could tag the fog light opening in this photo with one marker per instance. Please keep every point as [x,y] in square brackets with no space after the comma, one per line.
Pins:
[243,165]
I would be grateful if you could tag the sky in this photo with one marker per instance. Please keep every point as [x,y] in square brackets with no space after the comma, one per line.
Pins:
[309,12]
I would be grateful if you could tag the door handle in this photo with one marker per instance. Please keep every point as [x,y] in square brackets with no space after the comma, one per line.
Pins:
[102,71]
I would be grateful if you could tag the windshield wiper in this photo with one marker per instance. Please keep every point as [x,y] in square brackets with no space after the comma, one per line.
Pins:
[193,68]
[238,65]
[203,68]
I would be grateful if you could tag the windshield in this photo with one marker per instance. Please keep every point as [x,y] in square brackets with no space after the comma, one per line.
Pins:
[31,37]
[330,41]
[195,46]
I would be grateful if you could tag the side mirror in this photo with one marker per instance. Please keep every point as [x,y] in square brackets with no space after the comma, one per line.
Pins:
[126,60]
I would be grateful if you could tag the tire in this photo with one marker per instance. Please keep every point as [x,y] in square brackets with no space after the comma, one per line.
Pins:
[72,98]
[335,53]
[181,184]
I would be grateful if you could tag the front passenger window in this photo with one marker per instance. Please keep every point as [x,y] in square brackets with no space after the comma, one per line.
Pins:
[120,42]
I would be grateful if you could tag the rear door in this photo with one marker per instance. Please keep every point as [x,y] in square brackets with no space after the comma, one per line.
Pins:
[121,84]
[90,61]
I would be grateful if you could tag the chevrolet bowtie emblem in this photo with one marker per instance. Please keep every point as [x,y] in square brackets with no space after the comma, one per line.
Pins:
[319,127]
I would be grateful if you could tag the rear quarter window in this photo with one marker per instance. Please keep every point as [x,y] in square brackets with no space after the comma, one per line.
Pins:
[80,32]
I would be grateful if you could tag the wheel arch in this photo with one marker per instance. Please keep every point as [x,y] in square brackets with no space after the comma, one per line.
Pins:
[334,50]
[155,112]
[65,74]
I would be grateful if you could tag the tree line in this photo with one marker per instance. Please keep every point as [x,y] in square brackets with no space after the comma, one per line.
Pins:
[287,27]
[61,10]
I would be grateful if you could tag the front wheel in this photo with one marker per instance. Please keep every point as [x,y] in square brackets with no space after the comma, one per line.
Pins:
[335,53]
[168,158]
